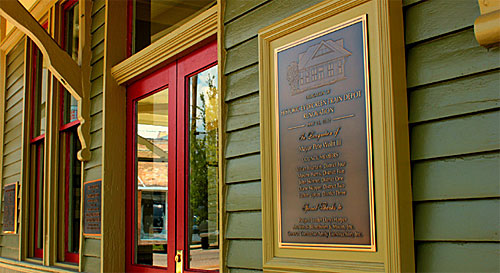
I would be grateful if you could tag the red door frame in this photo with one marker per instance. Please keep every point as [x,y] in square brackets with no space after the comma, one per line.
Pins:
[174,76]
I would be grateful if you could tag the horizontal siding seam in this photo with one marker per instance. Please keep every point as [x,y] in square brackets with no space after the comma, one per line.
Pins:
[454,156]
[253,93]
[245,155]
[246,12]
[459,77]
[239,68]
[473,113]
[242,128]
[240,43]
[437,37]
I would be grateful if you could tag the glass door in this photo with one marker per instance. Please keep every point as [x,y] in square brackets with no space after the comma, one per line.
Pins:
[172,167]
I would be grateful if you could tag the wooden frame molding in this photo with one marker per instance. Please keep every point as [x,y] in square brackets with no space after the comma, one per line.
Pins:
[390,140]
[171,45]
[487,26]
[74,77]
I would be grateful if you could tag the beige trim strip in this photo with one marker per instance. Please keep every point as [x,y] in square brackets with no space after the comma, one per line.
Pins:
[194,31]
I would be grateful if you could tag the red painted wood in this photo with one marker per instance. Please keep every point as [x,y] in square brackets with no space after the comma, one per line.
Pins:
[175,76]
[190,65]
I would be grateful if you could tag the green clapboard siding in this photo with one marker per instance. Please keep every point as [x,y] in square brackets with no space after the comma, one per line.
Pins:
[244,225]
[450,257]
[249,24]
[452,56]
[463,177]
[451,98]
[468,220]
[91,247]
[243,169]
[454,95]
[243,142]
[243,196]
[243,113]
[460,135]
[241,56]
[239,270]
[242,82]
[13,112]
[237,8]
[433,18]
[245,254]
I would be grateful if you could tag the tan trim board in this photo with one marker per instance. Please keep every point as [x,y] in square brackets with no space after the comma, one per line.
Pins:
[189,34]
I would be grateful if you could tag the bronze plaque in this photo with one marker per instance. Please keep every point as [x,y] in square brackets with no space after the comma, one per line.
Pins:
[325,180]
[92,207]
[10,208]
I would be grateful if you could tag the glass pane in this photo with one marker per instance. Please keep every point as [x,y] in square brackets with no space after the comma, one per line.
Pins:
[41,80]
[70,108]
[39,150]
[72,31]
[69,196]
[152,179]
[155,18]
[203,222]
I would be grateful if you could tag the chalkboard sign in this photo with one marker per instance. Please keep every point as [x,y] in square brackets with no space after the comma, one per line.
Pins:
[92,208]
[325,177]
[10,208]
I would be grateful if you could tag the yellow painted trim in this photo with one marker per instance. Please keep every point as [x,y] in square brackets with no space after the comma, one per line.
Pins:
[221,60]
[392,187]
[171,45]
[487,26]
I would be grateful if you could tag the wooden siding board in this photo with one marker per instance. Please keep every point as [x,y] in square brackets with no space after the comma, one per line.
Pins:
[12,134]
[97,53]
[92,247]
[461,96]
[13,111]
[438,60]
[245,254]
[12,169]
[97,38]
[18,50]
[465,220]
[96,87]
[236,8]
[98,5]
[243,142]
[96,140]
[14,122]
[242,82]
[243,112]
[12,157]
[457,257]
[95,159]
[244,225]
[461,177]
[14,77]
[243,169]
[92,174]
[241,56]
[9,240]
[411,2]
[8,252]
[437,17]
[15,99]
[249,24]
[91,264]
[462,135]
[240,270]
[96,104]
[98,19]
[17,63]
[97,70]
[12,146]
[15,87]
[243,196]
[96,122]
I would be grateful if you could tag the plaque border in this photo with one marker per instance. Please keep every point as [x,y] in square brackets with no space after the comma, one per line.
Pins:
[83,209]
[346,247]
[16,190]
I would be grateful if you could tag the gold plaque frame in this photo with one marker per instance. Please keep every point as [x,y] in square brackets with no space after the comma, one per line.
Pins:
[348,247]
[391,187]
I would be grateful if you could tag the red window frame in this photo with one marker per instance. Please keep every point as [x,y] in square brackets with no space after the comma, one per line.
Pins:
[174,76]
[65,129]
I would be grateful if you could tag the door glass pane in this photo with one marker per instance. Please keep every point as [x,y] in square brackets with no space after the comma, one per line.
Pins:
[151,167]
[202,221]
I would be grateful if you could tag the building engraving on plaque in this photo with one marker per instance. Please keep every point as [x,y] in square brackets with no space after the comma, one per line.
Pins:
[10,208]
[325,180]
[92,207]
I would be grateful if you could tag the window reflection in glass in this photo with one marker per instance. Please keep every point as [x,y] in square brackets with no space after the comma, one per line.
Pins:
[203,222]
[152,179]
